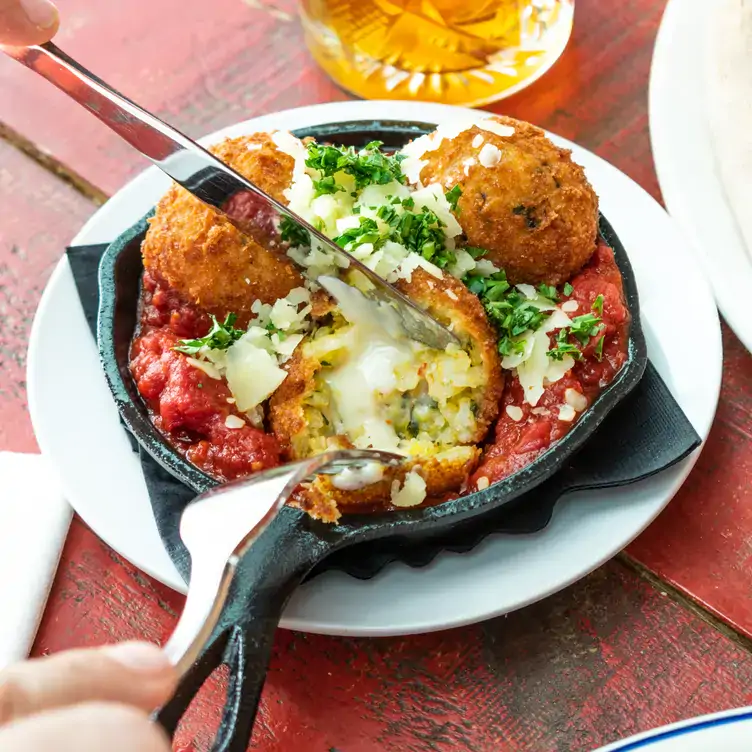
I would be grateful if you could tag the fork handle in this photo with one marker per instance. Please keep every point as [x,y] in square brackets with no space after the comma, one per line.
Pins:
[244,635]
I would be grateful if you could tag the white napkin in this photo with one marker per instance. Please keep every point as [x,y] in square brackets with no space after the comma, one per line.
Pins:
[34,521]
[729,103]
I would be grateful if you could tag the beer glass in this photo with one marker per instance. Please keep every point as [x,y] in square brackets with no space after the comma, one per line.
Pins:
[467,52]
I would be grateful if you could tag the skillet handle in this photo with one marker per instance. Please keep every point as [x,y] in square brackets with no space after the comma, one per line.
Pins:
[244,635]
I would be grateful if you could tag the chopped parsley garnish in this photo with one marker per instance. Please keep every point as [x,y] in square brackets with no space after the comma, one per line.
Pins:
[368,166]
[475,252]
[366,232]
[548,291]
[584,327]
[453,197]
[489,288]
[291,232]
[598,305]
[422,233]
[388,214]
[564,347]
[326,185]
[568,289]
[220,337]
[599,349]
[272,329]
[509,311]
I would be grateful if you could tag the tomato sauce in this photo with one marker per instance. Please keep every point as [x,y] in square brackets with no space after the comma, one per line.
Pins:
[187,405]
[521,438]
[191,408]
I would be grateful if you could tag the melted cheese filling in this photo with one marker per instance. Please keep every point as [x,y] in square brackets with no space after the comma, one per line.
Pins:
[384,391]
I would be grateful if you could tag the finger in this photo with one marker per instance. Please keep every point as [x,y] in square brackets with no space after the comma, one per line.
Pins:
[27,22]
[133,673]
[86,728]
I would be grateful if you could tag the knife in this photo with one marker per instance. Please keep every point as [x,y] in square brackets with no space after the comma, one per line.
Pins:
[202,174]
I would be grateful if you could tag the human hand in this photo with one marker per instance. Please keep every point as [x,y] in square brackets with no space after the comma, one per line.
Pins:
[94,700]
[27,22]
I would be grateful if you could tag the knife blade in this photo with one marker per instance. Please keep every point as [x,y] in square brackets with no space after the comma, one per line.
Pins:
[203,175]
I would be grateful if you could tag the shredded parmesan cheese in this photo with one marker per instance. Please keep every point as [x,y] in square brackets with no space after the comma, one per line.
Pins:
[489,155]
[567,413]
[514,412]
[576,400]
[468,163]
[412,493]
[208,368]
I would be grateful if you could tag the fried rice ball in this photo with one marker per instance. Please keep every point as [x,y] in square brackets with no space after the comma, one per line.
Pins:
[202,254]
[297,410]
[531,207]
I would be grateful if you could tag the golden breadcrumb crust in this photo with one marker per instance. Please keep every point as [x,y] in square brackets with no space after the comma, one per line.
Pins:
[200,253]
[534,212]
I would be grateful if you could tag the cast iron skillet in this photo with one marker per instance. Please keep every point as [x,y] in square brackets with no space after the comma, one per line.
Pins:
[294,543]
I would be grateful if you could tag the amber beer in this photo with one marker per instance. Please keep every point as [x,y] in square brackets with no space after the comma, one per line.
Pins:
[456,51]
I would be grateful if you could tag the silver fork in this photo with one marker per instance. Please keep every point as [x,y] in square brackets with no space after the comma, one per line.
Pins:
[219,528]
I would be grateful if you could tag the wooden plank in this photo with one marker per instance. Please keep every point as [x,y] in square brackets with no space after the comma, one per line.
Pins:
[207,65]
[608,657]
[199,65]
[702,543]
[39,215]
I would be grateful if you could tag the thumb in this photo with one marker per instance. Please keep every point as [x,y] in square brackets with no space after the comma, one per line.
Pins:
[27,22]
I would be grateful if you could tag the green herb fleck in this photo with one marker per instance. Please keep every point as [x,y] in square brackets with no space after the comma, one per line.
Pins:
[598,305]
[291,232]
[548,291]
[599,349]
[366,232]
[388,214]
[421,233]
[564,347]
[475,252]
[220,337]
[453,197]
[584,327]
[326,185]
[568,289]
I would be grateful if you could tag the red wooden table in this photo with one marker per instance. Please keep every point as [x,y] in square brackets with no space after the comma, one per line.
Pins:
[662,633]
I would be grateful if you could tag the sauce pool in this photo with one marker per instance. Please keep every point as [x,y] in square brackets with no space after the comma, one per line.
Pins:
[187,405]
[523,432]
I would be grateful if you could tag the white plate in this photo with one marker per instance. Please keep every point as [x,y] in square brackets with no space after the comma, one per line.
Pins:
[685,161]
[77,424]
[730,731]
